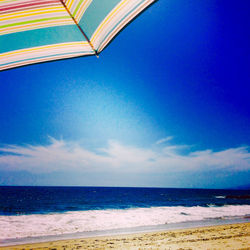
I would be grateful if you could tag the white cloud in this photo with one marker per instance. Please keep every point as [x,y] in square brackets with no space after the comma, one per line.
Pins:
[61,155]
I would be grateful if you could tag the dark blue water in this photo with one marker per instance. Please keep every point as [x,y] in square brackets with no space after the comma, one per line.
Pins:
[35,200]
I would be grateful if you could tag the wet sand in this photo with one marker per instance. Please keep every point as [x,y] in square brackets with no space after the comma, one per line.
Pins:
[233,236]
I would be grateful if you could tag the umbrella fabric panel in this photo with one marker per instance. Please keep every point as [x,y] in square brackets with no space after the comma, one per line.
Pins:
[35,40]
[23,15]
[102,20]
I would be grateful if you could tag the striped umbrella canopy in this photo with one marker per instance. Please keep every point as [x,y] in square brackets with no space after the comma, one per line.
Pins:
[33,31]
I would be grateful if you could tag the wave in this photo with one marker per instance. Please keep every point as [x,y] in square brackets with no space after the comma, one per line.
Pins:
[220,197]
[36,225]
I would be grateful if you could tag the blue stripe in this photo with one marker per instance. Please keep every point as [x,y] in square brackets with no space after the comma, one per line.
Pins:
[95,14]
[40,37]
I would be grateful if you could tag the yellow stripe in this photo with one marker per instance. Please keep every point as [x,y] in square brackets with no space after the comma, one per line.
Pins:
[81,10]
[7,1]
[33,14]
[26,12]
[69,5]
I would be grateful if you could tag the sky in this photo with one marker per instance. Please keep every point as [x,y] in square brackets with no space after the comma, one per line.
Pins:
[165,105]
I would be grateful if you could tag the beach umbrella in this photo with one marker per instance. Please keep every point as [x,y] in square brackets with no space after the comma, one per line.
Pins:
[33,31]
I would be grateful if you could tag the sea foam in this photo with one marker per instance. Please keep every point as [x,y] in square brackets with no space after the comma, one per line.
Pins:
[35,225]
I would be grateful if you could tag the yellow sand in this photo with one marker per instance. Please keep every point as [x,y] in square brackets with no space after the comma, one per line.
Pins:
[234,236]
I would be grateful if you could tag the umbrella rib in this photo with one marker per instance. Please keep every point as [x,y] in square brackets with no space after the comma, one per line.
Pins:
[79,27]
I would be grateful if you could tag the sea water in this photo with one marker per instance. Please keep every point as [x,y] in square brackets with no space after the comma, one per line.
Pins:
[29,214]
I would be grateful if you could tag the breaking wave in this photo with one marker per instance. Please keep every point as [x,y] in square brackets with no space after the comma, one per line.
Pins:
[35,225]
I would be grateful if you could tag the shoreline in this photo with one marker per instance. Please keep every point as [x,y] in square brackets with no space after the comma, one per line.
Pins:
[123,231]
[223,236]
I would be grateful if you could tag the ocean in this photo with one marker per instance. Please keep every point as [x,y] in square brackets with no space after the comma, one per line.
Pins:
[31,214]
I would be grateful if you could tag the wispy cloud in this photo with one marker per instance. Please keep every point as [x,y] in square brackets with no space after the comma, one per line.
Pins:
[163,140]
[61,155]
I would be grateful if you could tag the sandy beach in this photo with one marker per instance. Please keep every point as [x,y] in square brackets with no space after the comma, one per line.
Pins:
[233,236]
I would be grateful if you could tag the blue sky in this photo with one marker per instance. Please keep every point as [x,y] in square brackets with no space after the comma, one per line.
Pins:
[166,104]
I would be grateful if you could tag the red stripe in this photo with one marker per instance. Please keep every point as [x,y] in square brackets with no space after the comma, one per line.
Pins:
[21,2]
[29,8]
[35,4]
